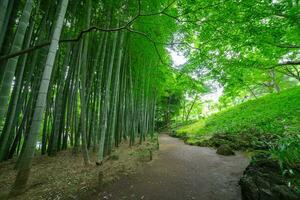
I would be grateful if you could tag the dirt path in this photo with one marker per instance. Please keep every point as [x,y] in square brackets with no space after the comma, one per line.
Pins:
[182,172]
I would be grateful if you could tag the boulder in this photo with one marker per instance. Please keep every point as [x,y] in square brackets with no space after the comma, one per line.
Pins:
[262,180]
[225,150]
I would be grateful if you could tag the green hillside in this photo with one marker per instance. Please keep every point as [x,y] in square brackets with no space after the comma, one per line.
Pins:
[269,124]
[272,114]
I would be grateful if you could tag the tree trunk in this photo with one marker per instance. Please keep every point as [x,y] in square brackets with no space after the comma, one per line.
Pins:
[26,159]
[12,63]
[105,101]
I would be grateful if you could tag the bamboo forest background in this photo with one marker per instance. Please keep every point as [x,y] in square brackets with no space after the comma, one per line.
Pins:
[78,74]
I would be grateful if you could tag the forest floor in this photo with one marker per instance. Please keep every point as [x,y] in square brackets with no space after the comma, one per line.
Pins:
[65,177]
[180,172]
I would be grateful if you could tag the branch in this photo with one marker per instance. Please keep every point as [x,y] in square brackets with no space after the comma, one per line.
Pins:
[150,39]
[287,46]
[204,7]
[80,35]
[28,50]
[297,62]
[160,12]
[128,24]
[284,64]
[289,72]
[139,7]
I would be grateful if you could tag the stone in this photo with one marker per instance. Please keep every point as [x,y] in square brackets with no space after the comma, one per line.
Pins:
[225,150]
[263,180]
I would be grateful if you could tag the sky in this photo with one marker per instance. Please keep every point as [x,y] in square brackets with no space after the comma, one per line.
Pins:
[215,94]
[179,59]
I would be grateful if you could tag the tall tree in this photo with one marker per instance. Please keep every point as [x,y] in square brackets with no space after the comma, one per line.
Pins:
[29,149]
[12,63]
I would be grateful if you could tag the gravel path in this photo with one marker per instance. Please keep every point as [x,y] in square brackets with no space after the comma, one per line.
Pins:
[182,172]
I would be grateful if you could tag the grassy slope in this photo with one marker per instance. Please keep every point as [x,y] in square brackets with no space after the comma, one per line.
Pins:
[270,124]
[272,114]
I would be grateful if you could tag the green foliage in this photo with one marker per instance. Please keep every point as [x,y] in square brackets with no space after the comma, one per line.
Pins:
[191,128]
[287,151]
[240,43]
[175,86]
[168,106]
[270,114]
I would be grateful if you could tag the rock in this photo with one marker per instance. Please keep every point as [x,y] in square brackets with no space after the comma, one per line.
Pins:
[173,133]
[203,143]
[249,189]
[283,192]
[225,150]
[262,180]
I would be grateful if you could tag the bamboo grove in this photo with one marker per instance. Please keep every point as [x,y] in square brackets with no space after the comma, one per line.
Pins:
[78,74]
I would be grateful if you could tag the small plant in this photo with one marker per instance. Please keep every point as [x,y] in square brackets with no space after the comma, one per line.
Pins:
[287,151]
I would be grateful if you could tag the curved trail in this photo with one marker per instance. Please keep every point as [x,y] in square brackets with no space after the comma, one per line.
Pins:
[182,172]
